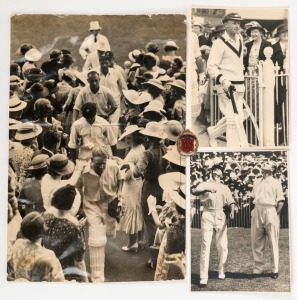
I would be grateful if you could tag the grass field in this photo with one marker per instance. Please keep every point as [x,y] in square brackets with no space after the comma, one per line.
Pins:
[124,32]
[240,263]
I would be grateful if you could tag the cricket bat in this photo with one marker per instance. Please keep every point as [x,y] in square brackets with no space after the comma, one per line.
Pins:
[238,122]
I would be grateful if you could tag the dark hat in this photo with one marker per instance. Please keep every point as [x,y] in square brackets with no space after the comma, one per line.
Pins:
[65,51]
[220,27]
[281,28]
[39,162]
[60,164]
[232,16]
[63,197]
[104,56]
[255,26]
[151,47]
[207,24]
[89,108]
[51,86]
[55,54]
[67,59]
[38,90]
[25,47]
[34,74]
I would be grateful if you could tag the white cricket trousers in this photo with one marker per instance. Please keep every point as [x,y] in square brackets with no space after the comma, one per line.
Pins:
[265,223]
[100,224]
[227,123]
[213,220]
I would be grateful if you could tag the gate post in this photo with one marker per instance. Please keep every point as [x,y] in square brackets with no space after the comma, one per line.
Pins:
[268,99]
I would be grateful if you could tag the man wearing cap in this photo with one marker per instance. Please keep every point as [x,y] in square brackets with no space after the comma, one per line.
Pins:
[96,93]
[269,200]
[225,64]
[214,195]
[94,41]
[90,131]
[51,67]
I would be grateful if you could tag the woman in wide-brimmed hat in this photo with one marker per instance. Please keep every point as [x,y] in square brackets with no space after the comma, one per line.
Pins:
[26,134]
[43,111]
[154,111]
[31,56]
[155,88]
[170,236]
[36,91]
[178,93]
[58,166]
[170,48]
[132,222]
[30,194]
[255,48]
[150,166]
[64,233]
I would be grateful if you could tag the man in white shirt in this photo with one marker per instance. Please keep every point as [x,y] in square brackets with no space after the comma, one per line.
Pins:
[269,200]
[225,64]
[213,196]
[94,41]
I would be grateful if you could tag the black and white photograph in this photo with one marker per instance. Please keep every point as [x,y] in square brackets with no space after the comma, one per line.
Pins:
[240,221]
[96,185]
[240,77]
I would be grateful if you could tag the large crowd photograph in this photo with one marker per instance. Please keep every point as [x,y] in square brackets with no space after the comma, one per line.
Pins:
[96,185]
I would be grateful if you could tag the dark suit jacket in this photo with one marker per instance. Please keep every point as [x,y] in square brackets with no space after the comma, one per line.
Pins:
[249,45]
[278,55]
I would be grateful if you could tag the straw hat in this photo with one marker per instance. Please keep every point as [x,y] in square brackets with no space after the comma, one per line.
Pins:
[144,97]
[255,26]
[27,131]
[131,95]
[13,122]
[37,90]
[94,25]
[33,55]
[179,84]
[175,184]
[195,23]
[61,164]
[129,130]
[81,76]
[165,78]
[156,106]
[175,157]
[133,55]
[15,80]
[173,129]
[39,162]
[156,83]
[154,129]
[15,104]
[170,44]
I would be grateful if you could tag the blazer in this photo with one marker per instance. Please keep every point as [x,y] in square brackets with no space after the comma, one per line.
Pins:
[249,45]
[278,55]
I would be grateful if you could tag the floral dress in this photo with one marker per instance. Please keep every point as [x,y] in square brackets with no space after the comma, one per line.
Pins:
[66,239]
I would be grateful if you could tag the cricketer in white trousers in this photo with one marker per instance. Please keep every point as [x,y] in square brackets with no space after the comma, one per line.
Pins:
[213,218]
[227,123]
[265,222]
